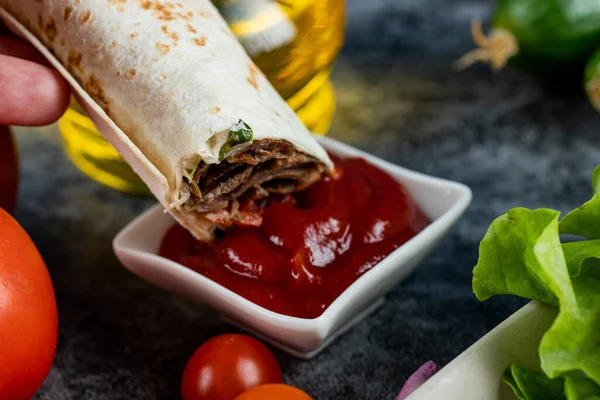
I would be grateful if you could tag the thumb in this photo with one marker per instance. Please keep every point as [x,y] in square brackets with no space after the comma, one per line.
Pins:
[31,94]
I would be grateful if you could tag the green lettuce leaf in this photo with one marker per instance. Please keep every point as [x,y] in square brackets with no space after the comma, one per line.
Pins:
[596,179]
[239,133]
[581,388]
[533,385]
[585,220]
[521,255]
[573,341]
[528,384]
[583,258]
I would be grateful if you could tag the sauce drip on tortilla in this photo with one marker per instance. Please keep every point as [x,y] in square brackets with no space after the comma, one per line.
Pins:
[311,245]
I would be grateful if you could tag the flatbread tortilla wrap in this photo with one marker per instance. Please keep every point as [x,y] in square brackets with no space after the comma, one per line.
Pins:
[168,84]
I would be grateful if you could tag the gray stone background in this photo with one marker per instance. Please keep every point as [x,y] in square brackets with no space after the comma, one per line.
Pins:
[511,140]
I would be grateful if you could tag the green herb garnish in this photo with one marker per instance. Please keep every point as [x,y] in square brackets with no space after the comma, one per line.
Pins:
[240,133]
[522,254]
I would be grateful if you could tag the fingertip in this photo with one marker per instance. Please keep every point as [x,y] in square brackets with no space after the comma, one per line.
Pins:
[32,94]
[56,97]
[48,97]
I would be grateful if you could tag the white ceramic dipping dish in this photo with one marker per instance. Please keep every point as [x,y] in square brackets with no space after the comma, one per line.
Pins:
[443,201]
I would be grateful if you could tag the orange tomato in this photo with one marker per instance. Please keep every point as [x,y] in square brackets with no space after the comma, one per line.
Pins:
[8,170]
[276,391]
[28,317]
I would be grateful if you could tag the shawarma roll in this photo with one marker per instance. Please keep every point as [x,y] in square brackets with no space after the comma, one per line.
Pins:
[202,125]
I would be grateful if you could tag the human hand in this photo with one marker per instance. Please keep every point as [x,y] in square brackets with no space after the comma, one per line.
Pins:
[31,93]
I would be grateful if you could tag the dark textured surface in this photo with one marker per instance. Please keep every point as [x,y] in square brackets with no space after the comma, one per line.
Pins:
[514,144]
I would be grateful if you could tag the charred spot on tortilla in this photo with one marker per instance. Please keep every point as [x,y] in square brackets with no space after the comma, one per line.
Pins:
[162,11]
[173,35]
[113,44]
[94,87]
[199,41]
[238,134]
[131,74]
[163,49]
[67,13]
[49,28]
[118,73]
[252,77]
[133,35]
[74,60]
[166,16]
[187,16]
[191,29]
[204,14]
[86,17]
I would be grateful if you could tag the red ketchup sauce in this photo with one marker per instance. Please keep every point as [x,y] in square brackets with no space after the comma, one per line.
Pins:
[311,245]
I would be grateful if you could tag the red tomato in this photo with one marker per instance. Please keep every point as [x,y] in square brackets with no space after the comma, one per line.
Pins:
[28,318]
[227,365]
[274,392]
[8,170]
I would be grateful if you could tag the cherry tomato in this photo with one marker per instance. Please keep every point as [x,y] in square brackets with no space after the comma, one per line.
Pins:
[226,366]
[28,317]
[8,170]
[274,392]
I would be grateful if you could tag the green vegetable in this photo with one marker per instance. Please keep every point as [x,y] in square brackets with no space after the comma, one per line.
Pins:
[591,79]
[521,254]
[240,133]
[581,388]
[539,35]
[583,258]
[533,385]
[585,220]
